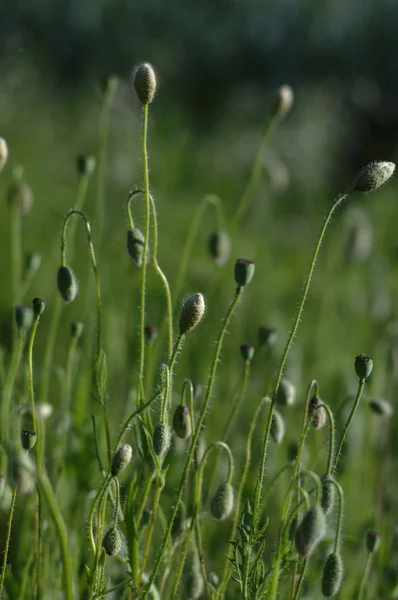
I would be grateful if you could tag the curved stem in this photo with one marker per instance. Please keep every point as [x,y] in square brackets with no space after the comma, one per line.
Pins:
[195,437]
[30,381]
[365,575]
[332,430]
[7,542]
[165,401]
[9,386]
[15,254]
[361,385]
[340,516]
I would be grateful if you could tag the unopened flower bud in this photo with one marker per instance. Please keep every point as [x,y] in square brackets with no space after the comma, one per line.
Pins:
[373,176]
[286,393]
[39,304]
[151,333]
[23,317]
[381,407]
[220,247]
[283,101]
[310,531]
[145,83]
[363,366]
[277,427]
[222,503]
[33,262]
[332,576]
[135,246]
[3,152]
[112,542]
[20,197]
[192,312]
[85,165]
[267,336]
[28,439]
[121,459]
[373,540]
[76,329]
[161,439]
[247,352]
[328,493]
[318,414]
[67,283]
[244,271]
[182,421]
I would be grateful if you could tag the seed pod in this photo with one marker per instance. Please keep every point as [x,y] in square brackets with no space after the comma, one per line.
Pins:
[222,503]
[67,283]
[381,407]
[373,176]
[332,576]
[247,352]
[182,422]
[319,414]
[244,271]
[286,393]
[373,541]
[363,366]
[33,262]
[76,329]
[145,83]
[112,542]
[135,246]
[3,152]
[277,427]
[328,493]
[220,247]
[283,101]
[266,336]
[85,165]
[310,531]
[121,459]
[39,304]
[28,439]
[161,439]
[151,333]
[192,312]
[20,197]
[23,317]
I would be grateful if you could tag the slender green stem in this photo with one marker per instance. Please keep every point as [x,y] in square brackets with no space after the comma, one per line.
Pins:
[365,576]
[340,516]
[16,254]
[117,501]
[105,483]
[181,564]
[30,374]
[195,437]
[301,579]
[332,433]
[361,385]
[289,342]
[158,491]
[7,542]
[9,386]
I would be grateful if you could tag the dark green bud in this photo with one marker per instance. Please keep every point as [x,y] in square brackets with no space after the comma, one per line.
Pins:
[145,83]
[328,493]
[135,246]
[28,439]
[244,271]
[310,531]
[267,336]
[76,329]
[220,247]
[381,407]
[161,439]
[193,585]
[318,414]
[20,197]
[112,542]
[363,366]
[373,176]
[277,427]
[151,333]
[39,304]
[33,262]
[286,393]
[332,576]
[222,503]
[373,541]
[182,421]
[85,165]
[67,283]
[192,312]
[23,317]
[247,352]
[121,459]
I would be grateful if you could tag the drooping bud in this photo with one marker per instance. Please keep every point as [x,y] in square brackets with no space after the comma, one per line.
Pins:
[28,439]
[310,531]
[23,317]
[112,542]
[267,336]
[328,493]
[373,541]
[363,366]
[76,329]
[247,352]
[121,459]
[39,304]
[220,247]
[286,393]
[222,503]
[244,271]
[151,333]
[381,407]
[67,283]
[182,422]
[318,414]
[20,197]
[277,427]
[135,246]
[373,176]
[145,83]
[85,165]
[3,152]
[33,262]
[332,576]
[283,101]
[161,439]
[192,312]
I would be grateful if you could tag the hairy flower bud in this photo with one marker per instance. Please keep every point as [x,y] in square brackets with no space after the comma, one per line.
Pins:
[192,312]
[76,329]
[135,246]
[222,503]
[182,421]
[332,576]
[266,336]
[161,439]
[286,393]
[373,176]
[277,427]
[318,414]
[33,262]
[328,493]
[121,459]
[67,283]
[151,333]
[247,352]
[145,83]
[310,531]
[85,165]
[381,407]
[112,542]
[373,540]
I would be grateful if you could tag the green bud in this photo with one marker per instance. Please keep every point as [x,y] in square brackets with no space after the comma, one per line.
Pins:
[145,83]
[23,317]
[277,427]
[332,576]
[310,531]
[193,584]
[33,262]
[161,439]
[222,503]
[192,312]
[182,421]
[220,247]
[151,333]
[247,352]
[373,176]
[20,197]
[214,579]
[3,152]
[381,407]
[112,542]
[286,393]
[373,541]
[363,366]
[267,336]
[39,304]
[328,493]
[244,271]
[121,459]
[319,414]
[85,165]
[67,283]
[283,101]
[28,439]
[135,246]
[76,329]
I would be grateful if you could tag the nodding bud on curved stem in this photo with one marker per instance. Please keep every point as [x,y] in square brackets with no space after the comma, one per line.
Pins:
[112,542]
[135,246]
[311,531]
[121,459]
[222,503]
[220,247]
[373,176]
[67,283]
[332,576]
